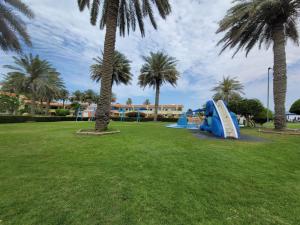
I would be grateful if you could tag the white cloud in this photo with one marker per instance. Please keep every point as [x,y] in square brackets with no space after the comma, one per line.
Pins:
[63,35]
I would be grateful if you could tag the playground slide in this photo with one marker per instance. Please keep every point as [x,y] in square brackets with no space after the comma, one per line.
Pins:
[228,125]
[219,121]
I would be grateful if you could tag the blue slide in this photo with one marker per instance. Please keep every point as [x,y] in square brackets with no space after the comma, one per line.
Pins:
[219,121]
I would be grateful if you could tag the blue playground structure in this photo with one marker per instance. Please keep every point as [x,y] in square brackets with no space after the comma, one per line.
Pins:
[183,123]
[122,114]
[220,121]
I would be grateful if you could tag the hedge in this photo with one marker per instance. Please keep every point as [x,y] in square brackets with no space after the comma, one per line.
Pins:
[149,119]
[135,114]
[23,119]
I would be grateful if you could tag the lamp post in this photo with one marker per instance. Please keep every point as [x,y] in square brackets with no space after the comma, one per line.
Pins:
[268,98]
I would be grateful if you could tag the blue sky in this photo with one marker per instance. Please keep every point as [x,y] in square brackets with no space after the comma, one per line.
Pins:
[64,36]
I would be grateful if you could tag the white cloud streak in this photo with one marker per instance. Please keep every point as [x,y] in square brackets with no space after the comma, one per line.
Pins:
[63,35]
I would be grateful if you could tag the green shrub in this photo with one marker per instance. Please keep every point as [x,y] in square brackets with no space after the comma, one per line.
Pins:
[9,103]
[148,119]
[295,108]
[62,112]
[261,117]
[22,119]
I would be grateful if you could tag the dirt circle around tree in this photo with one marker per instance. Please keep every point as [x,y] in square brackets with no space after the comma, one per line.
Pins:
[92,132]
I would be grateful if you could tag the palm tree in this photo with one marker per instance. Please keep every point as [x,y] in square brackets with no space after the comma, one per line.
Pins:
[159,68]
[147,102]
[129,101]
[122,14]
[269,22]
[113,97]
[228,89]
[64,95]
[121,69]
[12,27]
[77,96]
[90,96]
[51,88]
[28,75]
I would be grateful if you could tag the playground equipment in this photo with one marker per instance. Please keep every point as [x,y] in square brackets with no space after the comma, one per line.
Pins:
[219,121]
[122,114]
[78,115]
[88,113]
[191,122]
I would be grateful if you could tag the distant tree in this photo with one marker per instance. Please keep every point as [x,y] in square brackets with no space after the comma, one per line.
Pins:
[246,107]
[90,96]
[129,101]
[261,117]
[64,96]
[113,97]
[12,26]
[229,89]
[50,88]
[121,69]
[159,68]
[147,102]
[295,108]
[252,23]
[122,14]
[252,109]
[75,106]
[77,96]
[9,104]
[28,75]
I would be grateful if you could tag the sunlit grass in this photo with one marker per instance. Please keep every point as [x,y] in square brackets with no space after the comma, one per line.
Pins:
[147,174]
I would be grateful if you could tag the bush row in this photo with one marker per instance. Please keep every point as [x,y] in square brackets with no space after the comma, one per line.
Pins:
[23,119]
[133,119]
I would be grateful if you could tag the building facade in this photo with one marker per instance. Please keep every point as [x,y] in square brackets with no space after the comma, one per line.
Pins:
[166,111]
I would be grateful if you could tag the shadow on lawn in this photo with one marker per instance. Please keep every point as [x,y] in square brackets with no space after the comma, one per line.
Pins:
[244,137]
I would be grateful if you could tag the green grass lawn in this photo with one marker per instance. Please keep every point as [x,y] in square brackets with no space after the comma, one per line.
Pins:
[289,125]
[147,174]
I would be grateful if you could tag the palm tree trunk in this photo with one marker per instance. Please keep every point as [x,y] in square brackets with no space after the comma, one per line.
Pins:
[280,77]
[47,107]
[32,108]
[157,90]
[103,108]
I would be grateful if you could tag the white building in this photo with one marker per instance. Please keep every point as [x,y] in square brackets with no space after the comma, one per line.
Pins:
[292,117]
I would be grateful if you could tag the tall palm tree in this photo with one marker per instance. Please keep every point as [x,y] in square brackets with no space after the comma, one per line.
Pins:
[12,27]
[121,69]
[122,14]
[159,68]
[269,22]
[27,76]
[228,89]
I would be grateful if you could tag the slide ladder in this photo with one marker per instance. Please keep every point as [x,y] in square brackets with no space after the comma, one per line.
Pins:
[227,122]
